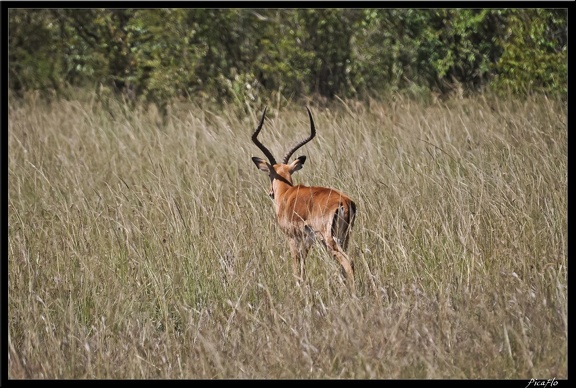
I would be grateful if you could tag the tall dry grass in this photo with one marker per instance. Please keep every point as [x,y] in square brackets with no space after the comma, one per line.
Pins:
[145,250]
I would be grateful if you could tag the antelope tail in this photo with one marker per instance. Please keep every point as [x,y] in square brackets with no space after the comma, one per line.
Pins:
[343,222]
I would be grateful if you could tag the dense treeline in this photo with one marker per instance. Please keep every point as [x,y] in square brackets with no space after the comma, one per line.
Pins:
[237,54]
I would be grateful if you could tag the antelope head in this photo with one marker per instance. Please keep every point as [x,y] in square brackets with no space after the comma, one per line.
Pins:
[280,171]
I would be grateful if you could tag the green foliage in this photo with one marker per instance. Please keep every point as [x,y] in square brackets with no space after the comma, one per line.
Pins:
[246,55]
[33,60]
[429,48]
[459,45]
[535,52]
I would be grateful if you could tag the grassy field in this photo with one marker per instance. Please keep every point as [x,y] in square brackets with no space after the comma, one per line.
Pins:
[143,249]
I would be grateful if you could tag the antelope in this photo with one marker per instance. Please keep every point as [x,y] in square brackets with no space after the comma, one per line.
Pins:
[307,214]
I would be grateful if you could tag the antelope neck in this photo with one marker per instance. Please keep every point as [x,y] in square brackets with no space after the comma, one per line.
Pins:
[282,179]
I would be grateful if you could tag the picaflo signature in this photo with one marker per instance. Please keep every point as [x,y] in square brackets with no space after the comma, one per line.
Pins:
[542,383]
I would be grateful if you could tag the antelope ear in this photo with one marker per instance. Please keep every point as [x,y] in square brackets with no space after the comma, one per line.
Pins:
[261,164]
[297,164]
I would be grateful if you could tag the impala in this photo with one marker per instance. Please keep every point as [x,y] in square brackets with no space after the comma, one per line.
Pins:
[307,214]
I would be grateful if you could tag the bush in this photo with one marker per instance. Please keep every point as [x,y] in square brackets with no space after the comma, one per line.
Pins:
[248,55]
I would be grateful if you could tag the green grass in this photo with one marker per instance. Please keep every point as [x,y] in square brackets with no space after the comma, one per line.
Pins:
[139,249]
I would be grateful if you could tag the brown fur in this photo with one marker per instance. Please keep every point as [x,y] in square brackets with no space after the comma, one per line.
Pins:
[307,214]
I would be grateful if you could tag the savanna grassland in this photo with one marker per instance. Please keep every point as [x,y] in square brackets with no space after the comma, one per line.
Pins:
[148,248]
